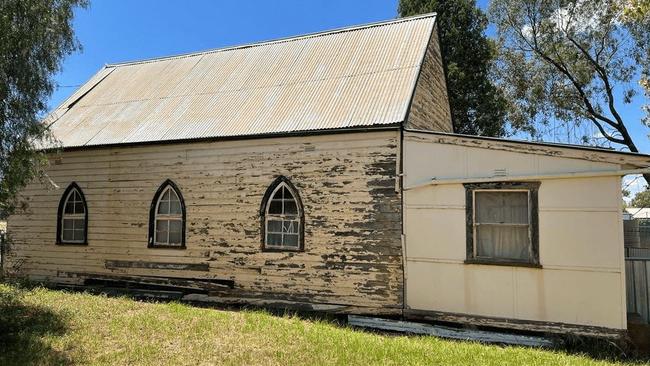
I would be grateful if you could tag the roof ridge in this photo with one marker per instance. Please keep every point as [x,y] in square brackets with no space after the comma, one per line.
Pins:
[278,40]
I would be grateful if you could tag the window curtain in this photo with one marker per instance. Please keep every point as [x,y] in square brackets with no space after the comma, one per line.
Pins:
[502,226]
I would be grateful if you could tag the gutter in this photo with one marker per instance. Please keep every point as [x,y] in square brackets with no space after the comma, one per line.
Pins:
[569,175]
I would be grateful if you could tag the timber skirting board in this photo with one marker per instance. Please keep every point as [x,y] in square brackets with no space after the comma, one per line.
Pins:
[291,305]
[514,324]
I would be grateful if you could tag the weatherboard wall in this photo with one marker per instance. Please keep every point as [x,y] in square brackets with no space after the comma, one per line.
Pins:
[429,109]
[352,243]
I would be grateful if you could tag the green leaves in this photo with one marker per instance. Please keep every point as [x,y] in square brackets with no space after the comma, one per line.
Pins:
[35,36]
[477,105]
[572,61]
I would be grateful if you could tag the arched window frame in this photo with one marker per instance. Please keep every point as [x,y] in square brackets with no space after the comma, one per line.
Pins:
[62,215]
[270,191]
[168,184]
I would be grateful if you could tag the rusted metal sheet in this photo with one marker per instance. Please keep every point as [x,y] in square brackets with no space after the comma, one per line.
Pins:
[354,77]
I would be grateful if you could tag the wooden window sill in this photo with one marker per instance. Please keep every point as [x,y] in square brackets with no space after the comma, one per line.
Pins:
[490,262]
[278,250]
[158,246]
[78,244]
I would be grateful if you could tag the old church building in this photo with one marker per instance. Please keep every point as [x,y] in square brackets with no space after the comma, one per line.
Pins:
[322,172]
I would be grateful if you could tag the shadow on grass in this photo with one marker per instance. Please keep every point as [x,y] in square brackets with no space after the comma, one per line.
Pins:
[29,324]
[22,329]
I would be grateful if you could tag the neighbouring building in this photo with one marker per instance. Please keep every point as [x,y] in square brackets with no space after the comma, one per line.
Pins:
[321,172]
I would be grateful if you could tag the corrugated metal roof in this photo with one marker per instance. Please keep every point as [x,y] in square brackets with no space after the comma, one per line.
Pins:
[354,77]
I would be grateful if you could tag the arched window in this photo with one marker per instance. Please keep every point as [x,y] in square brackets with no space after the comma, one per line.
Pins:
[72,225]
[167,217]
[282,217]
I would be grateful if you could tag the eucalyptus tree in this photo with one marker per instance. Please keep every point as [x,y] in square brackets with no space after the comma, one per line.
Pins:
[573,61]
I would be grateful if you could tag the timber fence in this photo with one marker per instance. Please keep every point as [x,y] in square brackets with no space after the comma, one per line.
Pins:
[637,280]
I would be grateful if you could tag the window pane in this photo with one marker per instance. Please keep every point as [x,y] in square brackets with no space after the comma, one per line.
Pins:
[163,208]
[274,226]
[507,242]
[175,226]
[290,208]
[162,225]
[79,235]
[291,240]
[276,207]
[287,194]
[166,195]
[502,207]
[79,208]
[175,237]
[68,235]
[68,224]
[175,207]
[69,207]
[274,239]
[290,227]
[79,224]
[161,237]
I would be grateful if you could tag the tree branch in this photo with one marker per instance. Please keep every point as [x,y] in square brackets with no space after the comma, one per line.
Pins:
[602,73]
[604,133]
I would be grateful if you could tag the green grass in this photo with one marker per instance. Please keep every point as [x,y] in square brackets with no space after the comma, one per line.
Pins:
[44,327]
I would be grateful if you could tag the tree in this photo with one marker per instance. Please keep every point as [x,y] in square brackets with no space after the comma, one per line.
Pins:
[35,36]
[641,200]
[570,60]
[477,105]
[636,17]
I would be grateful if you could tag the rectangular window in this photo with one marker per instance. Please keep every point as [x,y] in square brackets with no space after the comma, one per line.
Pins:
[502,223]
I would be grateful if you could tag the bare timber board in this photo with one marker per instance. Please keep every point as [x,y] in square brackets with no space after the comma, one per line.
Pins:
[448,332]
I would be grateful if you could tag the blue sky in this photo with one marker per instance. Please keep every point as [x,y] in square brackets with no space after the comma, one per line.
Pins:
[121,30]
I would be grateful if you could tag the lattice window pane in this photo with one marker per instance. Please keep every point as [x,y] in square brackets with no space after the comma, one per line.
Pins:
[283,221]
[169,219]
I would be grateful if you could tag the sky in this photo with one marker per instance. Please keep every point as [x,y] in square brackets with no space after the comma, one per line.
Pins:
[112,31]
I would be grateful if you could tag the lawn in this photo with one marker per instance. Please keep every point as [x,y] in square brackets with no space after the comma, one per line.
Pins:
[45,327]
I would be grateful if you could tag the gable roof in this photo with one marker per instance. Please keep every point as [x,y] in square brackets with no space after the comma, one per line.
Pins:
[352,77]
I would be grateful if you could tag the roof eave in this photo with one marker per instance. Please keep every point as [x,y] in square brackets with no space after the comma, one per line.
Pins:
[334,131]
[624,158]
